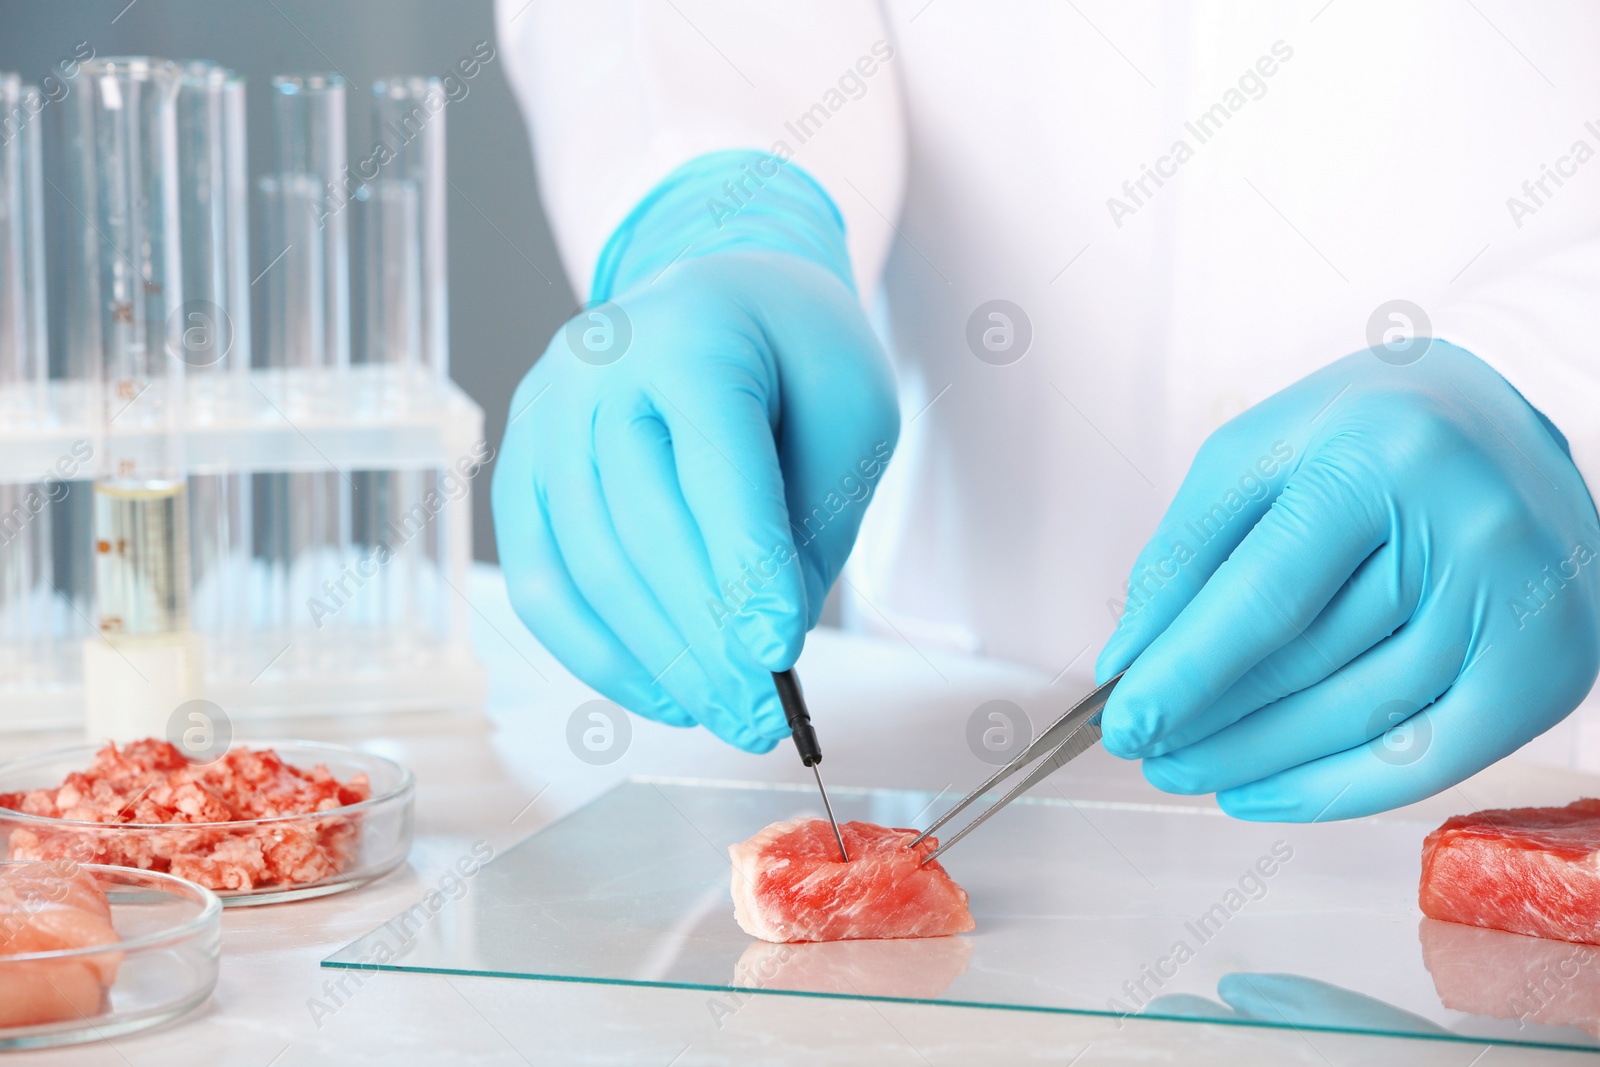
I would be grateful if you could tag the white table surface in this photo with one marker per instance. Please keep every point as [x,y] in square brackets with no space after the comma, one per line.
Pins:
[890,715]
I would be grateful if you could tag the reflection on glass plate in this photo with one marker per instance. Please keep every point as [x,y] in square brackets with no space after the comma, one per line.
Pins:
[916,969]
[1081,906]
[1509,976]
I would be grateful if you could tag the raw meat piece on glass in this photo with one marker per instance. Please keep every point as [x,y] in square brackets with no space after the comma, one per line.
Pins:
[789,884]
[1532,871]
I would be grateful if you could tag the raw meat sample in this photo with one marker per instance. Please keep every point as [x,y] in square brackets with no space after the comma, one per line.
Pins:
[789,884]
[1531,871]
[47,907]
[1509,976]
[150,782]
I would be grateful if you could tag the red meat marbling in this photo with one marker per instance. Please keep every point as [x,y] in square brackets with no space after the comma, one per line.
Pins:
[1532,871]
[789,884]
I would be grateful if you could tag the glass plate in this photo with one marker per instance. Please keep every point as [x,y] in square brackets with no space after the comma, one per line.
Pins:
[1081,906]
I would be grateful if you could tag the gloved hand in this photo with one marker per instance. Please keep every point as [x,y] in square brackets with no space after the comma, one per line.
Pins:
[685,468]
[1369,587]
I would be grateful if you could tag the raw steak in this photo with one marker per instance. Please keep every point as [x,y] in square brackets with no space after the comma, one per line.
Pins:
[46,907]
[1531,871]
[789,884]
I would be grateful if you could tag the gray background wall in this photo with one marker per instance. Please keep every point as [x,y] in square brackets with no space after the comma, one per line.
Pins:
[507,289]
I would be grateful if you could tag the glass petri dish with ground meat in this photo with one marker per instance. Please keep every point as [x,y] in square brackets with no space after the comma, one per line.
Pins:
[266,822]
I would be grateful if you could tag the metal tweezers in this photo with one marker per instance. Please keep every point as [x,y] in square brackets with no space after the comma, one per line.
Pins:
[1066,739]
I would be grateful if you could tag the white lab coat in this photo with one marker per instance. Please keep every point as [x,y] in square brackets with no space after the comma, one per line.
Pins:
[1355,152]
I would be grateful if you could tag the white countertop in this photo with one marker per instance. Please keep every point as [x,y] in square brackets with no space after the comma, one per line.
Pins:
[890,715]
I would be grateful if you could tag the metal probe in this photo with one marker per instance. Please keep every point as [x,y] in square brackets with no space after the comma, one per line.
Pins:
[805,739]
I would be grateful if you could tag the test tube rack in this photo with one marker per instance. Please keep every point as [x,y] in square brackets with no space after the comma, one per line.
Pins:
[369,419]
[323,489]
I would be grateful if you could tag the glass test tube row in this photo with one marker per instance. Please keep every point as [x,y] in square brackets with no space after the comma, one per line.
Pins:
[160,293]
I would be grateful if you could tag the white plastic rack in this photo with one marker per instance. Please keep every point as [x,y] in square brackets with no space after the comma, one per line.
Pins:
[265,657]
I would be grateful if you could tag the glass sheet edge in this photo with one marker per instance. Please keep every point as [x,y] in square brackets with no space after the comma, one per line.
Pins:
[1459,1039]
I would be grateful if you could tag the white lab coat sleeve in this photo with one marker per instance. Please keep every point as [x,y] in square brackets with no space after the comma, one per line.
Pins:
[617,93]
[1536,320]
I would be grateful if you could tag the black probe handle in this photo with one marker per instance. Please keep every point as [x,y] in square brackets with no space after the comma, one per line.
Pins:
[794,709]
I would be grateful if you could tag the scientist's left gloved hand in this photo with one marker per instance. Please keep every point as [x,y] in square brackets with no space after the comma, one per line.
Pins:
[1369,587]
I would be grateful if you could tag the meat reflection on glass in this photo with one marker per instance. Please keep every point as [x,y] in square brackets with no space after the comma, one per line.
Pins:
[917,969]
[1510,976]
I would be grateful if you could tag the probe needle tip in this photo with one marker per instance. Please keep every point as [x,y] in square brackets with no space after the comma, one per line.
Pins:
[837,836]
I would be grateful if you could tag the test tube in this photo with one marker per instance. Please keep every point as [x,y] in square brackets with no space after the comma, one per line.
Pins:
[302,519]
[294,287]
[23,361]
[122,132]
[408,117]
[215,328]
[123,121]
[308,112]
[392,261]
[213,226]
[25,508]
[407,333]
[389,255]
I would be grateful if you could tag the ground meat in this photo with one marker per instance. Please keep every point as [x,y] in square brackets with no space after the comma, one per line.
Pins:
[151,782]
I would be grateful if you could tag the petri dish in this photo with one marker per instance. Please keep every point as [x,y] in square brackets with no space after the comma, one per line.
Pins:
[245,861]
[163,965]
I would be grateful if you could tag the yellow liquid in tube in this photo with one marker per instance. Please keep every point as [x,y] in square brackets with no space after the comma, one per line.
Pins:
[144,660]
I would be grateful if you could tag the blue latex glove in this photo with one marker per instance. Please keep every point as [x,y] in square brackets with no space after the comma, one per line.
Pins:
[1369,587]
[672,507]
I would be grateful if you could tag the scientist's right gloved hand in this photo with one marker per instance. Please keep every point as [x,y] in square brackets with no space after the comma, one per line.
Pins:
[685,468]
